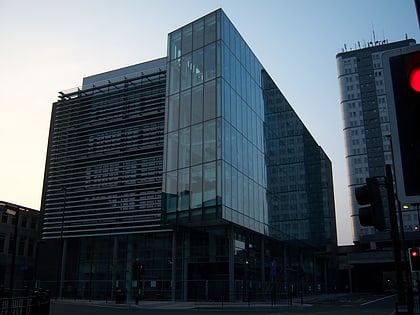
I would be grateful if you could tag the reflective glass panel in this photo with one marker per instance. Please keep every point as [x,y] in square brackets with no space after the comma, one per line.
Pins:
[196,186]
[172,160]
[184,148]
[209,184]
[209,141]
[196,144]
[210,100]
[185,109]
[183,189]
[197,104]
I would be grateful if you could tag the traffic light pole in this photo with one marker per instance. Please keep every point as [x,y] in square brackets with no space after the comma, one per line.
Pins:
[396,243]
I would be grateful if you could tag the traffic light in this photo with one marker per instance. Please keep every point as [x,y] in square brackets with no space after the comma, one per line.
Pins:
[369,195]
[414,254]
[140,268]
[402,77]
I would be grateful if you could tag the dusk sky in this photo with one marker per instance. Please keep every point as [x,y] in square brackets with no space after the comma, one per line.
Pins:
[49,46]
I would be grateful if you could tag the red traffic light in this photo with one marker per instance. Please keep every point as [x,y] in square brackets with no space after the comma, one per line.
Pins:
[140,267]
[414,253]
[414,77]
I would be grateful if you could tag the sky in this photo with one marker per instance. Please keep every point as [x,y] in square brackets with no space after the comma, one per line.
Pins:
[47,46]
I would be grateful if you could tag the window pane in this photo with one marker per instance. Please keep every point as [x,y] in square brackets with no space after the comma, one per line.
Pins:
[184,148]
[197,105]
[171,192]
[210,30]
[209,141]
[173,115]
[186,66]
[174,76]
[210,100]
[172,151]
[184,189]
[185,109]
[187,39]
[196,187]
[209,184]
[227,185]
[175,45]
[210,62]
[196,144]
[198,34]
[197,67]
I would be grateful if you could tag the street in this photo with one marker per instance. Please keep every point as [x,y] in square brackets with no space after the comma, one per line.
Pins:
[352,305]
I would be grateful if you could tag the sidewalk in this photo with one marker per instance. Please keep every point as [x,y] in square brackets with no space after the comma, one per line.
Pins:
[308,301]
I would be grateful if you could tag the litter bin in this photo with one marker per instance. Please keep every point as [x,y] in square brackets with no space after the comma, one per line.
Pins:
[120,296]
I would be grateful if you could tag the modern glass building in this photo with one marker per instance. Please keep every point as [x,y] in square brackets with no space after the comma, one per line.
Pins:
[194,165]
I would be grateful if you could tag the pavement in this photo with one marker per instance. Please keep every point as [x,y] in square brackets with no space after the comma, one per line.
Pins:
[308,301]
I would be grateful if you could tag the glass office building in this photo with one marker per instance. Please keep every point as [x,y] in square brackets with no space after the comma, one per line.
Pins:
[167,163]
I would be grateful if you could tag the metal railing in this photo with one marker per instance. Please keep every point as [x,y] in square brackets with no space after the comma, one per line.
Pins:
[24,302]
[122,291]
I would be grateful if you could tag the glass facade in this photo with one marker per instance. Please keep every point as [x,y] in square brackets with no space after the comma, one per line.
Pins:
[301,200]
[188,167]
[214,139]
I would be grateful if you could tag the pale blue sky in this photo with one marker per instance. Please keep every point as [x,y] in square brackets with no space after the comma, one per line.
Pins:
[49,46]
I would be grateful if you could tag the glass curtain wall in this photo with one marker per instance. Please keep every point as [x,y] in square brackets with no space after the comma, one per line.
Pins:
[214,139]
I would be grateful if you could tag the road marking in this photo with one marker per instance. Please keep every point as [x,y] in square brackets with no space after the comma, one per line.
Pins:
[377,300]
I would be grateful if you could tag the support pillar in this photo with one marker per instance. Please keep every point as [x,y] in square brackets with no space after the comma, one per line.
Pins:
[173,271]
[231,240]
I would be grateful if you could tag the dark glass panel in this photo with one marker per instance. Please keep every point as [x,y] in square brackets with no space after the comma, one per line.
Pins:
[184,148]
[196,186]
[210,29]
[171,192]
[210,100]
[198,34]
[210,62]
[172,160]
[209,184]
[184,189]
[209,141]
[186,67]
[197,104]
[197,67]
[187,39]
[173,114]
[174,76]
[175,45]
[185,109]
[196,144]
